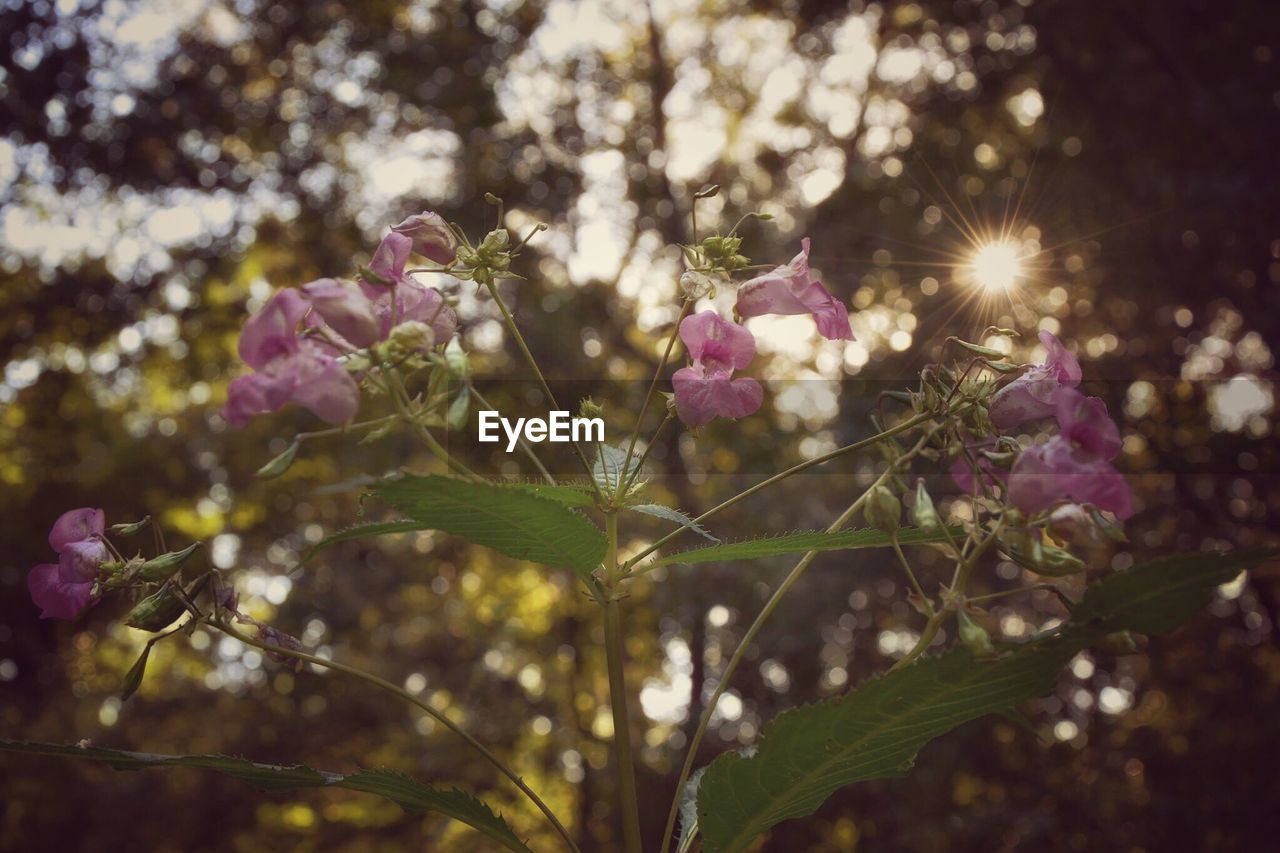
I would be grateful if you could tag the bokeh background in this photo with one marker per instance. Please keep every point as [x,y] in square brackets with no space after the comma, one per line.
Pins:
[165,164]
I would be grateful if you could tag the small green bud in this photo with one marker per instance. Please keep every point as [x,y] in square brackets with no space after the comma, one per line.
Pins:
[133,678]
[981,350]
[163,607]
[923,513]
[494,242]
[130,529]
[492,199]
[1057,562]
[162,567]
[974,636]
[589,408]
[1121,643]
[457,360]
[708,192]
[409,337]
[883,509]
[456,419]
[280,464]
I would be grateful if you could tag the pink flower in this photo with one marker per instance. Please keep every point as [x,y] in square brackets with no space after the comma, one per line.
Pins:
[790,289]
[288,368]
[707,389]
[415,302]
[344,309]
[1034,394]
[1074,465]
[64,590]
[431,236]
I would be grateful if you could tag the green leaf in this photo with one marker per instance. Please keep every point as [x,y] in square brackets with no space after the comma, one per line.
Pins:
[875,731]
[568,494]
[607,469]
[364,531]
[810,540]
[412,796]
[515,522]
[669,514]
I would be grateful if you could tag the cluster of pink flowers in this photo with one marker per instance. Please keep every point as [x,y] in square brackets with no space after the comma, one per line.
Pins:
[297,342]
[717,347]
[64,590]
[1072,466]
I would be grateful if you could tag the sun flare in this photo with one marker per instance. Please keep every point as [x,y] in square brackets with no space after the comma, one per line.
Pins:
[996,266]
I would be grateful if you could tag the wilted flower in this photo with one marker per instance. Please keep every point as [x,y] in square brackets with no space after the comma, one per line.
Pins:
[288,368]
[64,590]
[414,301]
[1035,394]
[1074,465]
[431,236]
[696,284]
[707,389]
[790,289]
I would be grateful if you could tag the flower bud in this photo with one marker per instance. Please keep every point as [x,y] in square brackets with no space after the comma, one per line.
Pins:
[974,636]
[494,242]
[279,465]
[432,237]
[163,607]
[923,513]
[411,336]
[133,678]
[130,529]
[589,408]
[457,360]
[883,509]
[162,567]
[696,284]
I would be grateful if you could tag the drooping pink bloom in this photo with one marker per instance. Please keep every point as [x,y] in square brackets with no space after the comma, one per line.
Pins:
[707,389]
[1034,394]
[288,368]
[344,309]
[431,235]
[790,289]
[414,301]
[1074,465]
[64,590]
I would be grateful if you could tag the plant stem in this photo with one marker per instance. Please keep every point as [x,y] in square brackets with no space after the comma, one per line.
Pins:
[644,407]
[926,639]
[383,684]
[740,652]
[524,445]
[533,363]
[778,478]
[614,639]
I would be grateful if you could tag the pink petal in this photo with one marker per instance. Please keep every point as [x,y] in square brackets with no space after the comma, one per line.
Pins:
[431,235]
[711,338]
[257,393]
[76,525]
[1084,420]
[426,305]
[325,387]
[273,331]
[790,289]
[391,257]
[1055,471]
[1059,361]
[700,398]
[345,309]
[56,598]
[78,562]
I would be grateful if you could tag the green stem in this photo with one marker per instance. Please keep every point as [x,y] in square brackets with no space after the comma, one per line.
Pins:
[653,384]
[926,639]
[383,684]
[778,478]
[911,575]
[614,639]
[740,652]
[533,363]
